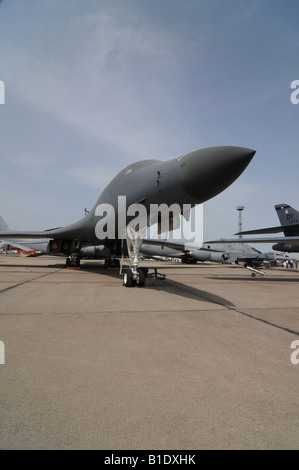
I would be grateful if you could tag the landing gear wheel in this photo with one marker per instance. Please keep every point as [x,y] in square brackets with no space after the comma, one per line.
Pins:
[128,279]
[112,263]
[141,278]
[73,262]
[116,263]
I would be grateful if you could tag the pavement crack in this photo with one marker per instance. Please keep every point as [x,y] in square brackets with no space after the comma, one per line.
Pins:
[253,317]
[2,291]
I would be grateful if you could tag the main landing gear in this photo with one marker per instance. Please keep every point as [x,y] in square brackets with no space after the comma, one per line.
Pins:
[112,263]
[73,261]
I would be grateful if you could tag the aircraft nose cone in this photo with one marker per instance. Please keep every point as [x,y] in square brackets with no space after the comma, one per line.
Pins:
[206,172]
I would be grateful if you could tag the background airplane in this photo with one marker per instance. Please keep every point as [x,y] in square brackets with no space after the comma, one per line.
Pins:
[30,246]
[289,219]
[243,253]
[189,179]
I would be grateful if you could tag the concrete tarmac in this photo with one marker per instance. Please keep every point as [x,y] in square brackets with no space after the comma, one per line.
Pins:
[201,360]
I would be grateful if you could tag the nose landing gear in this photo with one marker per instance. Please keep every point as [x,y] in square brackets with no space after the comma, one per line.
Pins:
[129,280]
[134,276]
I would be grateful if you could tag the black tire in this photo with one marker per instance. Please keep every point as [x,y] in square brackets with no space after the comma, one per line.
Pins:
[128,279]
[116,263]
[141,280]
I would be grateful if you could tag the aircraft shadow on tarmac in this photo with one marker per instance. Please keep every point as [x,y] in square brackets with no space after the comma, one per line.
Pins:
[167,285]
[183,290]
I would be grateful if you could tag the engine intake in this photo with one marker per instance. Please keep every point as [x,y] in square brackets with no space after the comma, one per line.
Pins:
[60,247]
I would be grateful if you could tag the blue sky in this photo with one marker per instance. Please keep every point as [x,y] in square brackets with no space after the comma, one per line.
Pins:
[93,86]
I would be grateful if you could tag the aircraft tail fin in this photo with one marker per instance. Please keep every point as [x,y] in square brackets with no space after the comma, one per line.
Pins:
[3,226]
[289,219]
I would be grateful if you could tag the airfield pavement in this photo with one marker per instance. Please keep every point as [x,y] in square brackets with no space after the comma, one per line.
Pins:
[201,360]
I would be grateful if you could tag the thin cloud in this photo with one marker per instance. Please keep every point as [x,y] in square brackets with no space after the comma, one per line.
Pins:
[118,79]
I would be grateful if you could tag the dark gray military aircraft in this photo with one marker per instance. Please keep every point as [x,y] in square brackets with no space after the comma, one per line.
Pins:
[187,180]
[289,219]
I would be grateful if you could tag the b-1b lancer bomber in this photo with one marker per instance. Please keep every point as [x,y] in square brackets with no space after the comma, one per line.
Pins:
[112,230]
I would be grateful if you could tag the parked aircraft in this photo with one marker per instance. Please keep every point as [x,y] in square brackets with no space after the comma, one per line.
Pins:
[31,246]
[289,219]
[188,253]
[109,227]
[242,253]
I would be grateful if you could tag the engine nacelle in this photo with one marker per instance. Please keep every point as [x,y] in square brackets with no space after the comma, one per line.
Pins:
[203,255]
[219,257]
[93,252]
[284,247]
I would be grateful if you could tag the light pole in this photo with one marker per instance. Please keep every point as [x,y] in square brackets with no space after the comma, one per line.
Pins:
[240,209]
